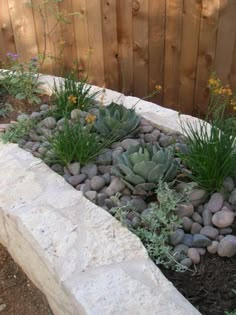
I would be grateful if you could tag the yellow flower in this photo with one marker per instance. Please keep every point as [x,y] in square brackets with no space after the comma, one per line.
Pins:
[90,118]
[158,88]
[72,99]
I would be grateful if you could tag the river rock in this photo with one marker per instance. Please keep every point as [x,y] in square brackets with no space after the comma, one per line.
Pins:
[75,114]
[105,158]
[228,184]
[212,249]
[187,240]
[115,186]
[76,179]
[215,203]
[49,122]
[146,128]
[225,231]
[101,197]
[186,262]
[185,210]
[74,168]
[129,142]
[187,223]
[227,246]
[197,217]
[200,240]
[180,252]
[196,228]
[194,255]
[210,232]
[91,195]
[232,197]
[223,218]
[138,204]
[197,196]
[90,170]
[176,237]
[207,217]
[97,183]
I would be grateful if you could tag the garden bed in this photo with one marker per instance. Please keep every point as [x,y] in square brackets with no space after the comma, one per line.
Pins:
[206,218]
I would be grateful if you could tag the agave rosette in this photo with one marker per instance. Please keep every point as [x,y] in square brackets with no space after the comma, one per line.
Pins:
[116,120]
[142,166]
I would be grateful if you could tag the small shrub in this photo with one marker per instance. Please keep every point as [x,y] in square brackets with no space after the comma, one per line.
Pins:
[72,94]
[18,130]
[155,229]
[22,79]
[76,142]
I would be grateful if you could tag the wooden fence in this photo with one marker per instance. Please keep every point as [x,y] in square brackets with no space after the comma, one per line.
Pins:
[129,45]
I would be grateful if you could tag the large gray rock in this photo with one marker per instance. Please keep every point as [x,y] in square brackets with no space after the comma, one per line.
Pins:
[227,246]
[215,203]
[223,218]
[197,196]
[81,258]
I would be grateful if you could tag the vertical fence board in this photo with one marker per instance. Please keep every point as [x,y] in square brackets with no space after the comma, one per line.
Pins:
[174,9]
[24,29]
[81,35]
[7,43]
[189,51]
[125,45]
[206,52]
[68,34]
[109,23]
[140,46]
[96,62]
[156,46]
[225,38]
[54,35]
[233,69]
[40,20]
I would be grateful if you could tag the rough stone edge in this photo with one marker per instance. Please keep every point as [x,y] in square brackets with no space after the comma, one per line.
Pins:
[66,298]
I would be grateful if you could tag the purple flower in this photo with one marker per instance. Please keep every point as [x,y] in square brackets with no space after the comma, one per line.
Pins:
[34,59]
[12,56]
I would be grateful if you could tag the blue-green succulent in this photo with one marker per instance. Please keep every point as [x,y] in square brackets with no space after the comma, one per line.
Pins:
[116,120]
[143,166]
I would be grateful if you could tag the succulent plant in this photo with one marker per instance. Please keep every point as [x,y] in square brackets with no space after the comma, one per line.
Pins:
[143,166]
[117,121]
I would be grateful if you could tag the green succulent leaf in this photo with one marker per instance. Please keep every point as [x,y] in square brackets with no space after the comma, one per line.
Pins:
[156,174]
[144,168]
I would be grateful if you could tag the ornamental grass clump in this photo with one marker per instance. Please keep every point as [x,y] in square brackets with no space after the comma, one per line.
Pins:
[211,153]
[72,94]
[143,166]
[115,119]
[78,142]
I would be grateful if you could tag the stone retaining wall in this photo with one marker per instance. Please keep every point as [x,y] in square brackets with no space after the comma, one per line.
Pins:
[76,253]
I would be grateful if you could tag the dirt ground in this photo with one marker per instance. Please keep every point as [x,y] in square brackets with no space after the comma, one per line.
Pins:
[18,295]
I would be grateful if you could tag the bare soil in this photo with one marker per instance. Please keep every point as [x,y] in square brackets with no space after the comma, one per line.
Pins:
[18,295]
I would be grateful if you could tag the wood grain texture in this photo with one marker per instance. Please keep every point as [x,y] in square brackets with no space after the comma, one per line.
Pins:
[7,43]
[23,26]
[206,52]
[110,44]
[156,46]
[81,35]
[225,38]
[140,47]
[68,34]
[173,38]
[189,52]
[95,38]
[125,45]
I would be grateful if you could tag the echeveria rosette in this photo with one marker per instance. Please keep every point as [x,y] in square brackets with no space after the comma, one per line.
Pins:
[141,167]
[115,119]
